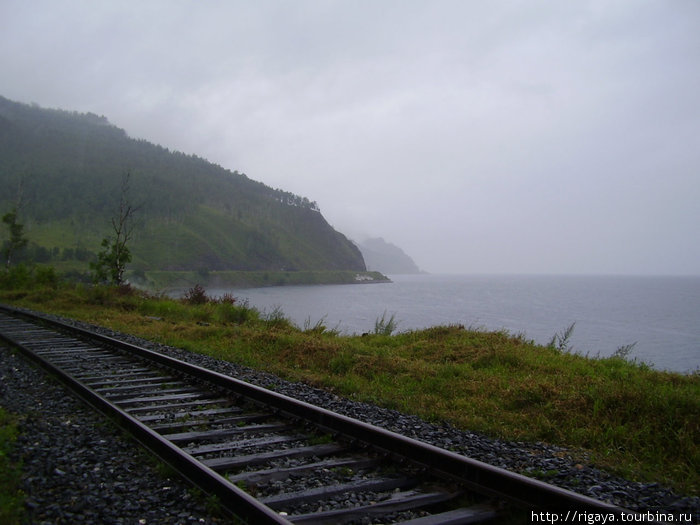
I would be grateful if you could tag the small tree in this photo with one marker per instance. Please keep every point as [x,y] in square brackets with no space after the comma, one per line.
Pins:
[112,260]
[17,240]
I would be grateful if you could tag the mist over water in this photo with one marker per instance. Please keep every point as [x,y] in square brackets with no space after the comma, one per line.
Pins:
[660,314]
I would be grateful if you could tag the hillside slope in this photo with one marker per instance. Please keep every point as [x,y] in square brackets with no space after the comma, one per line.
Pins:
[387,258]
[192,214]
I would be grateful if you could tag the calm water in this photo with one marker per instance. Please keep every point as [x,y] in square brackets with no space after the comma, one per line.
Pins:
[660,314]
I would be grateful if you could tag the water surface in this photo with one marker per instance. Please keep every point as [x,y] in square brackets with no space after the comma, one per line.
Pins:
[660,314]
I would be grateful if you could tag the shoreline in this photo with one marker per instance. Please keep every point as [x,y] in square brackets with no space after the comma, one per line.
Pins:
[169,281]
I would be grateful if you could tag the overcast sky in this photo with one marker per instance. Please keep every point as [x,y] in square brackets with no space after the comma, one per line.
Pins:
[484,136]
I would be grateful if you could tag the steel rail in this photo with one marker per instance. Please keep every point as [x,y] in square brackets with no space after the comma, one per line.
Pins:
[478,476]
[235,500]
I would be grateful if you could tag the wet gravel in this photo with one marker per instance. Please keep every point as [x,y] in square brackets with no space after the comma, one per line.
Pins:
[77,469]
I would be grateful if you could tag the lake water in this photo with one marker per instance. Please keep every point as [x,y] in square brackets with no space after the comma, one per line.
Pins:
[660,314]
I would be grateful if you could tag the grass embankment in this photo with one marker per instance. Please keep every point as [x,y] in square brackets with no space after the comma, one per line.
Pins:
[639,422]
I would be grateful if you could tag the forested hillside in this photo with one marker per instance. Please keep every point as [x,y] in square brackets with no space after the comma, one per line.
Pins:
[67,169]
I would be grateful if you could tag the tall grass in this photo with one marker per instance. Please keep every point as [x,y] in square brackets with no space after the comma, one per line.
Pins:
[384,326]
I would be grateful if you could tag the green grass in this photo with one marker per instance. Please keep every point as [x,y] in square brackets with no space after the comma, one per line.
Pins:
[624,416]
[11,497]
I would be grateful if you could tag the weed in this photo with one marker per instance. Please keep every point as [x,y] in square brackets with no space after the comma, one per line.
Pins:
[384,326]
[343,471]
[319,327]
[623,351]
[164,470]
[561,341]
[213,505]
[544,475]
[276,319]
[322,439]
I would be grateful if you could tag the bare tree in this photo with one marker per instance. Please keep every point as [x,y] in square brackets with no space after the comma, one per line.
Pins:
[17,239]
[112,260]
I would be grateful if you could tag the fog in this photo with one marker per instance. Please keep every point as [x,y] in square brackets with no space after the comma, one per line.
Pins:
[480,137]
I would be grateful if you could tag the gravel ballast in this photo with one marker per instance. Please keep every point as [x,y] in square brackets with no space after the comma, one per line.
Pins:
[78,469]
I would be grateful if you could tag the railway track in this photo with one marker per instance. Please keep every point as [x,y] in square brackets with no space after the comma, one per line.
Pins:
[270,458]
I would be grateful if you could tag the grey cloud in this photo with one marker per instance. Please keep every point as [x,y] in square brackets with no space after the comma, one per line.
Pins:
[478,136]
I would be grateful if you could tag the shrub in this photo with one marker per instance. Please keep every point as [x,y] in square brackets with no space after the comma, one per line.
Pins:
[196,295]
[99,294]
[16,277]
[27,277]
[46,276]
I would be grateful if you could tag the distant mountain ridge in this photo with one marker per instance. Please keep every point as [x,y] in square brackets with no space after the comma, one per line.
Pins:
[192,214]
[386,258]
